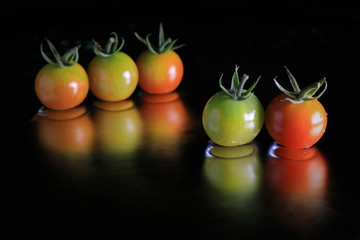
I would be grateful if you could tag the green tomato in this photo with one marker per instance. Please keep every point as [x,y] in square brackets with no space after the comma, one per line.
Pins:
[230,122]
[233,116]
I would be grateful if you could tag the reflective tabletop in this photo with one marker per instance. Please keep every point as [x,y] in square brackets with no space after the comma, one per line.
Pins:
[144,167]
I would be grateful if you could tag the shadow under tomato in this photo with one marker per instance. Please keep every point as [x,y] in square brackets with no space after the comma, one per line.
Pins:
[114,106]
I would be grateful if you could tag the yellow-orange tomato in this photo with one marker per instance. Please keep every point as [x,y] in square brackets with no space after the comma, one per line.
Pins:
[159,73]
[113,78]
[61,88]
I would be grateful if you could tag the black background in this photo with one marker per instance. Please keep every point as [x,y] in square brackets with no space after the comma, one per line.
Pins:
[312,38]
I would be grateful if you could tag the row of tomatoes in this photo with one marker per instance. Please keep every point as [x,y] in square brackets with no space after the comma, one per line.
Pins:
[111,75]
[235,116]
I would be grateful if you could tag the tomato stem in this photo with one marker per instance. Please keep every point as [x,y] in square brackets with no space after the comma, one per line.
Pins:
[163,46]
[293,82]
[69,58]
[306,94]
[111,46]
[237,91]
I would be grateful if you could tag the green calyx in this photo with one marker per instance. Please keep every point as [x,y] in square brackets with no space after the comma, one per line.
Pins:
[306,94]
[70,58]
[112,46]
[237,91]
[164,46]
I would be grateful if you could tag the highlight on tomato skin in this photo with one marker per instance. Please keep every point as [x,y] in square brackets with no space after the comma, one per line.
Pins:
[297,119]
[62,83]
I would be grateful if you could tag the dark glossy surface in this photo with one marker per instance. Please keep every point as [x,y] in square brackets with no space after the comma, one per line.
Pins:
[150,170]
[145,171]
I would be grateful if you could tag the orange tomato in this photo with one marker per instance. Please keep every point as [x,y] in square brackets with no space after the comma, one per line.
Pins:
[61,88]
[160,68]
[159,73]
[62,83]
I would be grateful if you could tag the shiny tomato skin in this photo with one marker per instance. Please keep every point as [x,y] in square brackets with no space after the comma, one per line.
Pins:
[159,73]
[61,88]
[230,122]
[295,125]
[113,78]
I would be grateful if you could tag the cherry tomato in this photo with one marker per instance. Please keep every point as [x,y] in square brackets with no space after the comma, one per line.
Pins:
[159,73]
[160,69]
[295,125]
[113,74]
[63,83]
[296,122]
[230,118]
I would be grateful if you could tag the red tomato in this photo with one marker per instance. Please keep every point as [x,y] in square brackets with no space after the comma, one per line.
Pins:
[62,83]
[159,73]
[295,125]
[297,119]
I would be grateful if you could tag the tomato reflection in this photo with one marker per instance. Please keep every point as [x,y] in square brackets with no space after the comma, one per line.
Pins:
[235,170]
[297,179]
[65,131]
[298,172]
[165,121]
[117,132]
[67,136]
